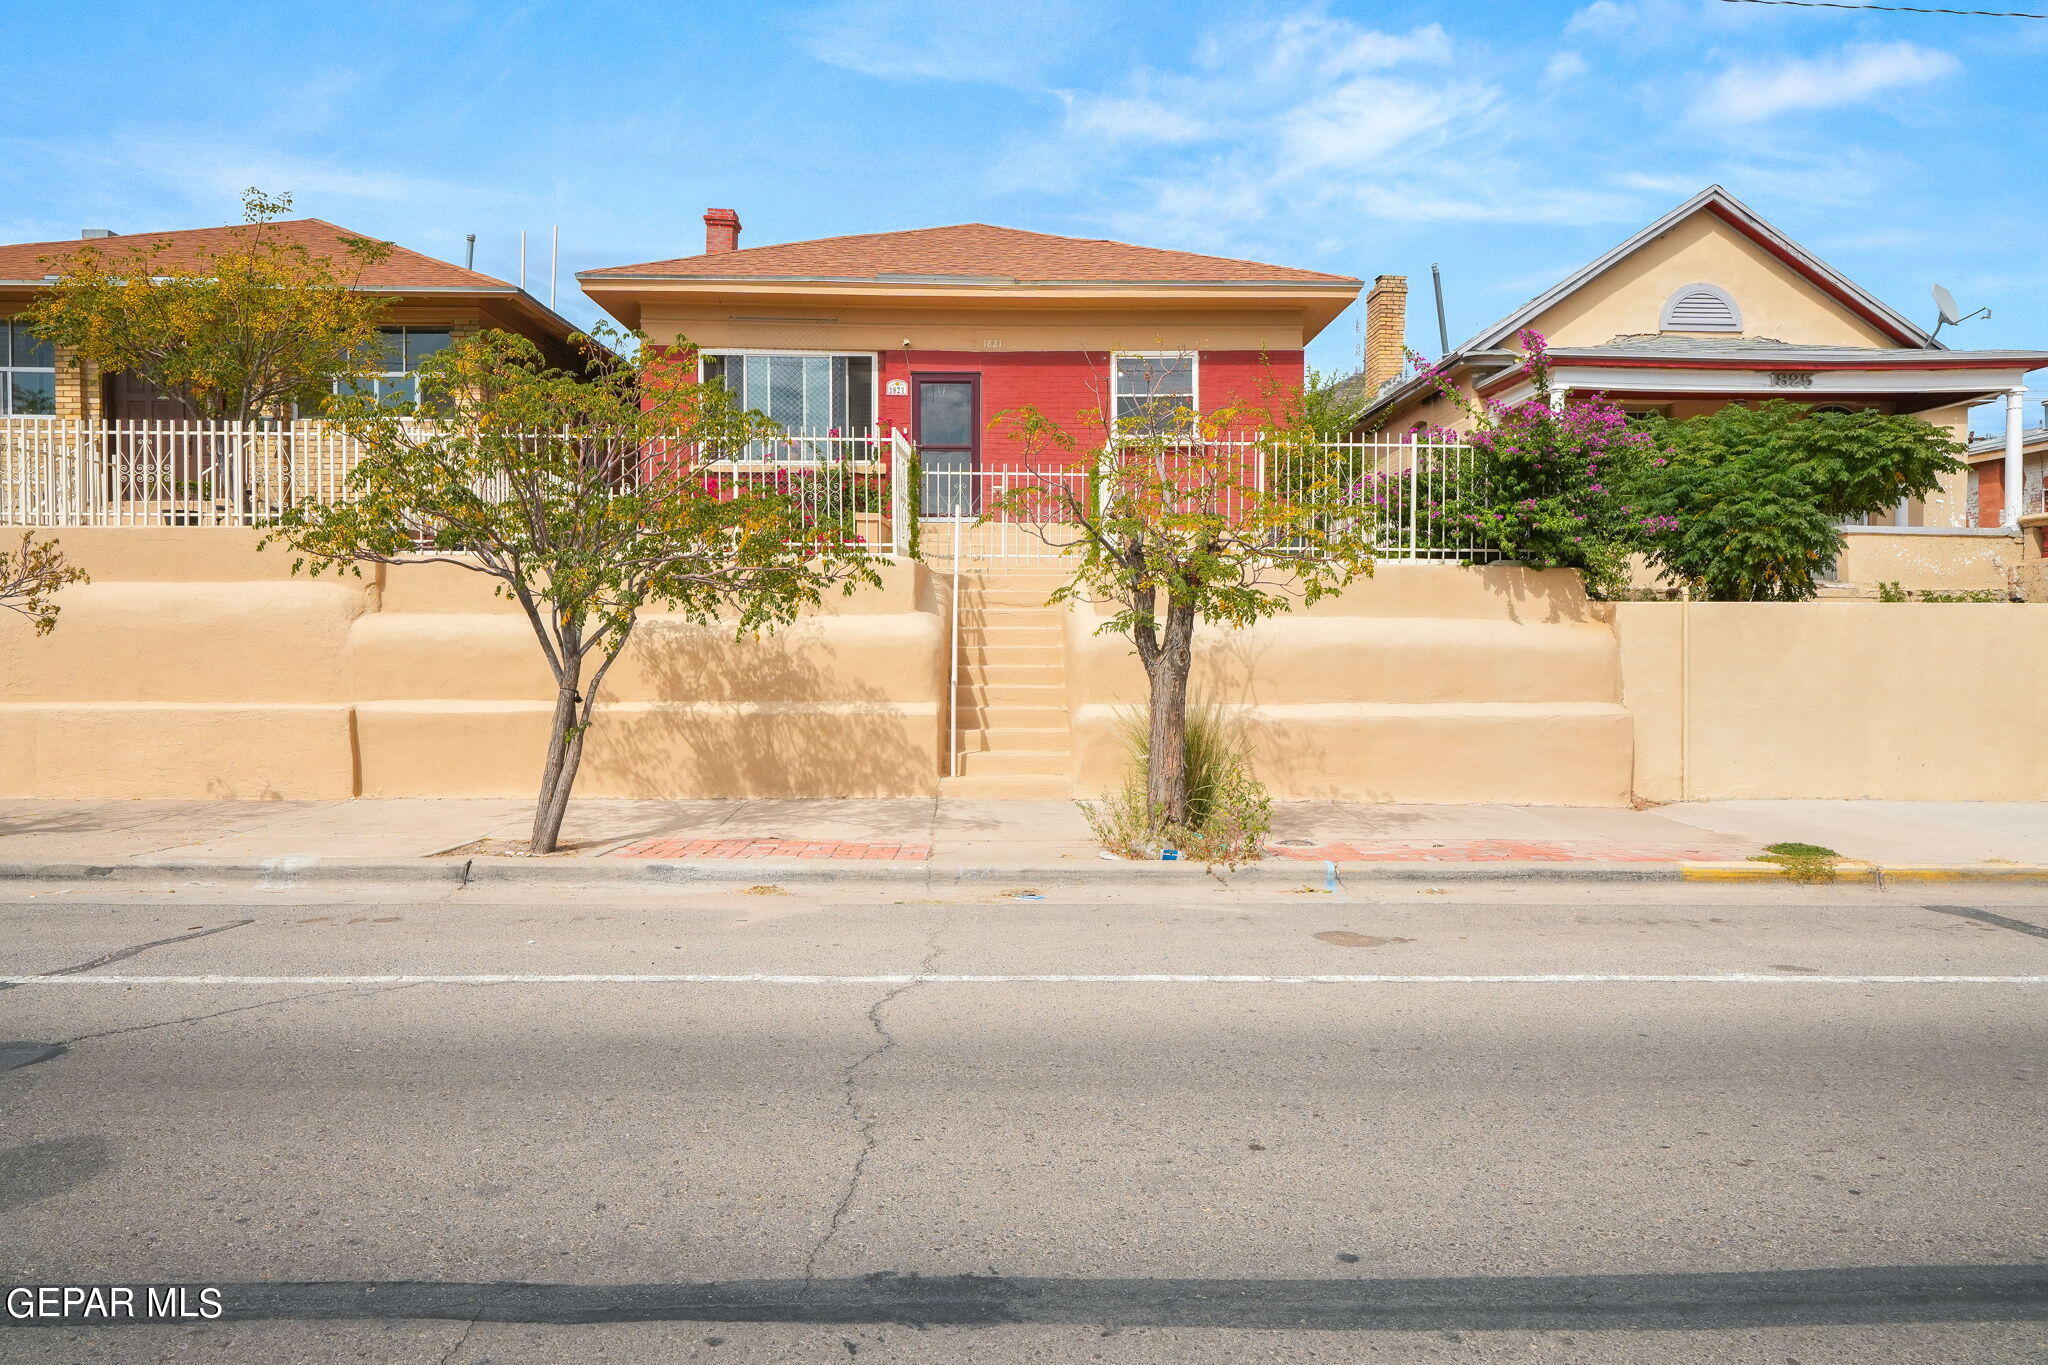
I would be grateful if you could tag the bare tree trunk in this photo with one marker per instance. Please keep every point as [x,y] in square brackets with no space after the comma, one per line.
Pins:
[560,770]
[548,819]
[1166,749]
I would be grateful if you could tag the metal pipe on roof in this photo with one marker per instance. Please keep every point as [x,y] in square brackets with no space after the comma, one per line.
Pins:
[1443,331]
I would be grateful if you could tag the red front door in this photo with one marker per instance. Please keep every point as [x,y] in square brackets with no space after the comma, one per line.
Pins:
[945,421]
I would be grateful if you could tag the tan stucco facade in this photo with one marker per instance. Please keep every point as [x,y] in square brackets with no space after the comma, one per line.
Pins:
[809,325]
[193,666]
[1836,700]
[1427,682]
[1776,301]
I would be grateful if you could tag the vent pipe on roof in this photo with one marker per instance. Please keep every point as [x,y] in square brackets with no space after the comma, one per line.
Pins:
[469,253]
[88,234]
[721,231]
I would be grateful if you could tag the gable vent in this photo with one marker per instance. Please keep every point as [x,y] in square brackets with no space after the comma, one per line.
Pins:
[1701,308]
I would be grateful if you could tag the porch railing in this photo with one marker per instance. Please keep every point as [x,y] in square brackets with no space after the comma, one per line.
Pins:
[1018,513]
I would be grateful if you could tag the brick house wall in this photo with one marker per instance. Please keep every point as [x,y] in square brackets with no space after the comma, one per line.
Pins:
[1064,385]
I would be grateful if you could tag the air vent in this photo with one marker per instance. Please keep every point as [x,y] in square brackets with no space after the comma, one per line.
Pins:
[1701,308]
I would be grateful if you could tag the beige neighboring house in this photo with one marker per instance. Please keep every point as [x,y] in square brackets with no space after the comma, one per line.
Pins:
[1712,305]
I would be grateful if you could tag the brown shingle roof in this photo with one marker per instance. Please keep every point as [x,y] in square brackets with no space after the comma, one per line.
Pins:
[190,248]
[972,250]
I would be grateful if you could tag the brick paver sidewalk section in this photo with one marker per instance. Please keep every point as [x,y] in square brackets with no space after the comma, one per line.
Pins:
[772,848]
[1510,851]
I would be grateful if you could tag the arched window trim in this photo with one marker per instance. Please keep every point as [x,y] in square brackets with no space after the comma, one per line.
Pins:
[1734,324]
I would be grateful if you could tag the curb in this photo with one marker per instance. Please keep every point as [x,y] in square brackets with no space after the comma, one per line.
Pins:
[1282,874]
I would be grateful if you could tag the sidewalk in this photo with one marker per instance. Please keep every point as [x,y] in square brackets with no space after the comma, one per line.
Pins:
[961,839]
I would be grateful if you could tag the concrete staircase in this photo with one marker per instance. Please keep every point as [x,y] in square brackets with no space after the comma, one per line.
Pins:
[1011,702]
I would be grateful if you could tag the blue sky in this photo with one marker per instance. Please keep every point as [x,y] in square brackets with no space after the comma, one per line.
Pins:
[1511,140]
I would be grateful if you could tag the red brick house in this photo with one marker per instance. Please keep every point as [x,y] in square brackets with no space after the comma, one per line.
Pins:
[937,331]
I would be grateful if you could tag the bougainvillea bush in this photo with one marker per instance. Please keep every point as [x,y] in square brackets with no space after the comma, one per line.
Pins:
[1552,488]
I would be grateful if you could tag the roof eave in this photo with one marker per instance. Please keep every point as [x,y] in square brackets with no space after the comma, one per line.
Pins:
[1715,196]
[589,279]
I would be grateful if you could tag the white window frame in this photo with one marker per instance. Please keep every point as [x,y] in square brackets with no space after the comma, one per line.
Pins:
[402,329]
[1194,359]
[8,369]
[874,359]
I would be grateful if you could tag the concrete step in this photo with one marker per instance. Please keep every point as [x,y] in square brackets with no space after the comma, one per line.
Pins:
[1015,598]
[994,788]
[1016,739]
[997,674]
[981,694]
[983,716]
[1011,633]
[1041,655]
[1042,618]
[1016,762]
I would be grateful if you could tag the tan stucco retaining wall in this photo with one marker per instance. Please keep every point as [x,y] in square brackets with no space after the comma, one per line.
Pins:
[1836,700]
[1428,683]
[194,666]
[1928,561]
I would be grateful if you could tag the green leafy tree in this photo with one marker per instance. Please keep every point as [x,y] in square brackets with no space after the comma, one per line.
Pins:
[30,578]
[1170,527]
[1756,495]
[263,323]
[1329,403]
[588,498]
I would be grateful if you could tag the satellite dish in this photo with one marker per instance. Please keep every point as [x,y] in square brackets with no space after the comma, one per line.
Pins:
[1951,312]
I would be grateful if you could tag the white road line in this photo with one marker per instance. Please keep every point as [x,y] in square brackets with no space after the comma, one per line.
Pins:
[1036,979]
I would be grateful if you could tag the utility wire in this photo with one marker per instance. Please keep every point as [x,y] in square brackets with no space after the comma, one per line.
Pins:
[1896,9]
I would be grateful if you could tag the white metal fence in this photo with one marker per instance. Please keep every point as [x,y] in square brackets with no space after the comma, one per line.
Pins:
[57,472]
[1019,514]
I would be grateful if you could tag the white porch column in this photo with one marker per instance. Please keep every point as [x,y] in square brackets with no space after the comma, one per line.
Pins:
[2015,426]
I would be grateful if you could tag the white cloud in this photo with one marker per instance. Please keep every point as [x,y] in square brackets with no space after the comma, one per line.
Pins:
[1613,19]
[1565,66]
[1130,118]
[1750,92]
[946,40]
[1284,126]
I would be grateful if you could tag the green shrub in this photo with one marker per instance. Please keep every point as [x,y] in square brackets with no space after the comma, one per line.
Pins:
[1755,495]
[1802,862]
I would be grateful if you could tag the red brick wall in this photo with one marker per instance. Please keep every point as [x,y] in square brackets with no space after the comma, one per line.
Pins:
[1064,385]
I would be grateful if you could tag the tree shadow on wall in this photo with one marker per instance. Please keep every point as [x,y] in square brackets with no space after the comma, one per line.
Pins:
[773,716]
[1533,597]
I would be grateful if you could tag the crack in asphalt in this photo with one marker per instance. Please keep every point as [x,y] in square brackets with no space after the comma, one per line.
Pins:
[123,954]
[865,1121]
[1971,912]
[239,1009]
[460,1342]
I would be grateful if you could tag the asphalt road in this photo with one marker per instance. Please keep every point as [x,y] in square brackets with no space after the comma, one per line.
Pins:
[1796,1126]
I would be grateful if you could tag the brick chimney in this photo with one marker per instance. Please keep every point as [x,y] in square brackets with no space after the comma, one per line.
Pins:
[1386,330]
[721,231]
